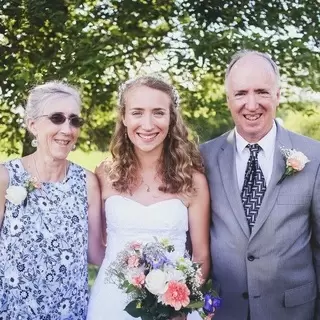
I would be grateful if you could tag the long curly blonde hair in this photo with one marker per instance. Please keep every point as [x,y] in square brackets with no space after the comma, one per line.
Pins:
[180,156]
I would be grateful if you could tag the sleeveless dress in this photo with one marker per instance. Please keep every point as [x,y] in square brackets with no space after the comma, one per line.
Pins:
[43,250]
[128,220]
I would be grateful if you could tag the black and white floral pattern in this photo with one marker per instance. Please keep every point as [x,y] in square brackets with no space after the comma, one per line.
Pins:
[43,250]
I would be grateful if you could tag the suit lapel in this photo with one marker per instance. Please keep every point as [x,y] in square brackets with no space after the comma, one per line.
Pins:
[227,166]
[282,141]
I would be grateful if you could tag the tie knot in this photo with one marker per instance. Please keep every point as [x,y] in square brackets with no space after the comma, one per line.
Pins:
[254,149]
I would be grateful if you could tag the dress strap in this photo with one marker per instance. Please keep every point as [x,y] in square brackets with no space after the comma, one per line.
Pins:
[17,174]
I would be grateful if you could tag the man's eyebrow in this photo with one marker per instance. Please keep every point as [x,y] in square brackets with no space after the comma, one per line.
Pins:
[261,89]
[240,91]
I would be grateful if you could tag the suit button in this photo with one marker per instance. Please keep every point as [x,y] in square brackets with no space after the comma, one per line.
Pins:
[251,258]
[245,295]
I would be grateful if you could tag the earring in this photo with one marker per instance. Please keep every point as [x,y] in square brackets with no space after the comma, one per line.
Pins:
[126,135]
[74,147]
[34,143]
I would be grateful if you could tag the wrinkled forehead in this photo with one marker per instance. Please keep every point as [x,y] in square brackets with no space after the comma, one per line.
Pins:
[62,103]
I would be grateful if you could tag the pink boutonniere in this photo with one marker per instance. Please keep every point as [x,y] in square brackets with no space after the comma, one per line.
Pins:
[295,162]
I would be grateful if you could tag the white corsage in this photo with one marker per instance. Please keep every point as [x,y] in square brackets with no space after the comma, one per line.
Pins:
[295,162]
[18,194]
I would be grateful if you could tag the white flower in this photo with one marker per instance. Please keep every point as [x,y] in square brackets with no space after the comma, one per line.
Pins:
[156,282]
[16,194]
[175,275]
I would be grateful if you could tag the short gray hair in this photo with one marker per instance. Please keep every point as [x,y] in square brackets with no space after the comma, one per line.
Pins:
[242,53]
[40,94]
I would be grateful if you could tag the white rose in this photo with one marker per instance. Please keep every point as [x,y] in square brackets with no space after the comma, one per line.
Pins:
[16,194]
[175,275]
[156,282]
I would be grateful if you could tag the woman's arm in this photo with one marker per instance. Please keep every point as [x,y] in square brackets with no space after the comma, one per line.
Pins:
[96,247]
[199,224]
[4,183]
[105,187]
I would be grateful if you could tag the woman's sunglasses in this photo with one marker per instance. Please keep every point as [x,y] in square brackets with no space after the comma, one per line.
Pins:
[60,118]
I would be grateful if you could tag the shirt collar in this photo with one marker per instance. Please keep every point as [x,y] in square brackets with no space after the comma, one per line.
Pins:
[267,143]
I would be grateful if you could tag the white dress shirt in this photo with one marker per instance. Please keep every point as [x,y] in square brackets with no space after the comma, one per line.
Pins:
[265,156]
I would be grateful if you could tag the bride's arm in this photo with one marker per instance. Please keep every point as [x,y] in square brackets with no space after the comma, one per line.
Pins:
[105,190]
[96,248]
[199,222]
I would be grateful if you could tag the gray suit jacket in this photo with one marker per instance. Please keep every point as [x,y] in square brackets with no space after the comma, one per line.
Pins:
[276,268]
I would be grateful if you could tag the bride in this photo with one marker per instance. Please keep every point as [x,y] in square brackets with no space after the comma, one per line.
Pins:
[154,186]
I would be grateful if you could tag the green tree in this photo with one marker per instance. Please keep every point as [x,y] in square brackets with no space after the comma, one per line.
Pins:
[89,43]
[288,30]
[97,44]
[304,123]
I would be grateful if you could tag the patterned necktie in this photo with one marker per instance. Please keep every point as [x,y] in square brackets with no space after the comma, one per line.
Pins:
[254,186]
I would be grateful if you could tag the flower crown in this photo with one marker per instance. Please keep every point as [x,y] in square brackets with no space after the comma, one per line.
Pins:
[143,81]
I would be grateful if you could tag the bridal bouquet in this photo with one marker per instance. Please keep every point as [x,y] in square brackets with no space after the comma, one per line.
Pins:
[159,284]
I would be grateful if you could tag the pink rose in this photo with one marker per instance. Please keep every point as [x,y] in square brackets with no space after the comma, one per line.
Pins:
[135,245]
[133,262]
[138,280]
[296,160]
[35,182]
[295,164]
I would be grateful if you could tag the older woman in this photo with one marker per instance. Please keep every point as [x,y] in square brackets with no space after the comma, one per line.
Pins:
[49,215]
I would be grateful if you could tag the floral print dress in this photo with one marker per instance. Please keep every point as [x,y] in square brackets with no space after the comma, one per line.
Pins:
[43,249]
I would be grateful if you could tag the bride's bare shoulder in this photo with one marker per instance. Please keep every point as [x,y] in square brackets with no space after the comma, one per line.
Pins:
[200,189]
[102,172]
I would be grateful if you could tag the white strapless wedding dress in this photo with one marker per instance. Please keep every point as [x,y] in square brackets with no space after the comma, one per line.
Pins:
[128,220]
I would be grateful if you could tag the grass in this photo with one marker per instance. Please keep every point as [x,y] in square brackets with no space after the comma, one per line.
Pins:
[4,157]
[88,160]
[93,271]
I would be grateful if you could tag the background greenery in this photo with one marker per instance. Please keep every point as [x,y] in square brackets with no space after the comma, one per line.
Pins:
[97,44]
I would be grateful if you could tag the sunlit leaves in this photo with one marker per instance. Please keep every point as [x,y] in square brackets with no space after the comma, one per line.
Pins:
[96,44]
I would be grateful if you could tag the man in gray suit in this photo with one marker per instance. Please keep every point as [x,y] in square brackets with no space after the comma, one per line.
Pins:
[265,233]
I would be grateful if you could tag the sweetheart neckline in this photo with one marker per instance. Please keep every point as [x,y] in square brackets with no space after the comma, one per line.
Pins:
[143,205]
